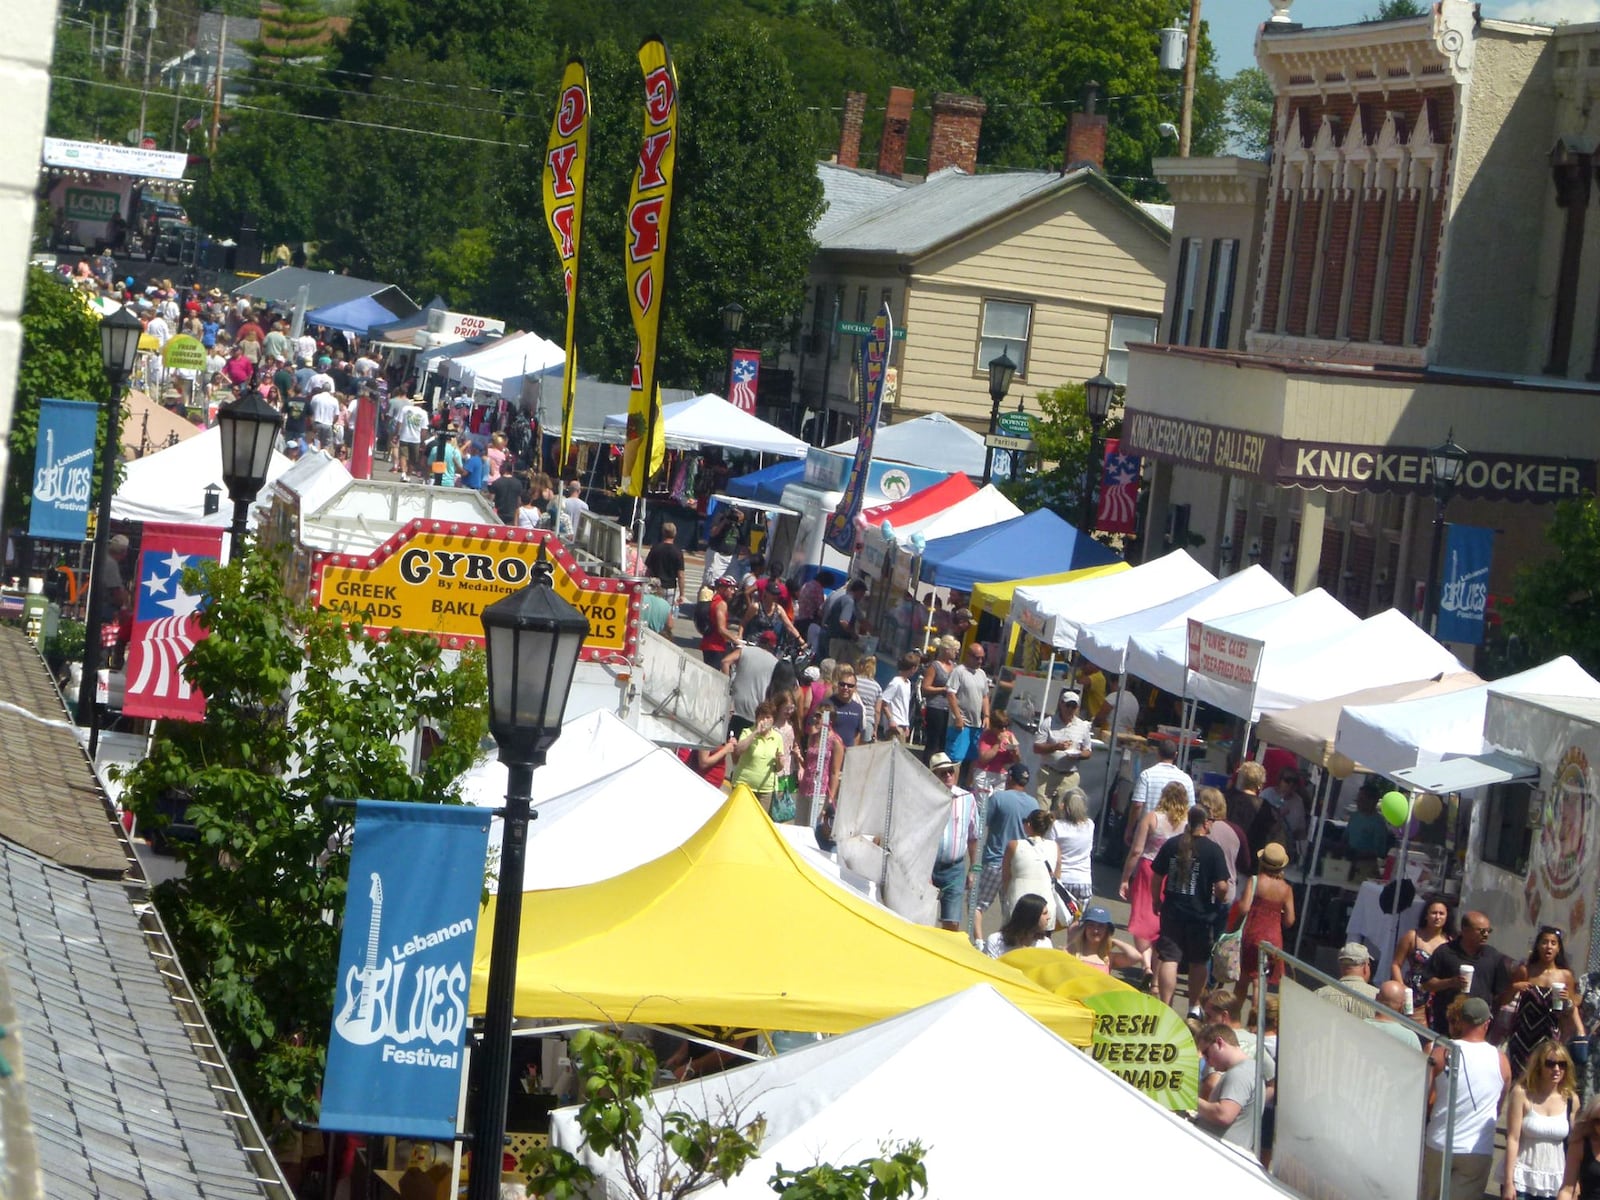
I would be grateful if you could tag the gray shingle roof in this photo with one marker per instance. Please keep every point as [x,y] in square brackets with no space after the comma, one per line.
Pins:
[847,193]
[947,205]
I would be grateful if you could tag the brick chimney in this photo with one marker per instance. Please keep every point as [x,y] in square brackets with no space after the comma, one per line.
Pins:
[896,125]
[957,121]
[855,107]
[1086,134]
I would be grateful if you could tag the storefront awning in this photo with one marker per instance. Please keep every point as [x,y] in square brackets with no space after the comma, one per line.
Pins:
[1465,774]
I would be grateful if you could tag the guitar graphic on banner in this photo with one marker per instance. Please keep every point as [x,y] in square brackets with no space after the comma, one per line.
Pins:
[368,984]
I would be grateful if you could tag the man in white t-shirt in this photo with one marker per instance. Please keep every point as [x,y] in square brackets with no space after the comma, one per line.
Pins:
[413,423]
[894,705]
[1147,788]
[305,349]
[1062,744]
[323,409]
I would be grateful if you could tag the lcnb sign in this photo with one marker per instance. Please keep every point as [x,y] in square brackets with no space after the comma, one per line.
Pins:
[436,577]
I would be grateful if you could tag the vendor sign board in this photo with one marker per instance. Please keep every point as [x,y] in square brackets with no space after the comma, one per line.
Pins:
[437,577]
[184,353]
[1147,1044]
[1218,654]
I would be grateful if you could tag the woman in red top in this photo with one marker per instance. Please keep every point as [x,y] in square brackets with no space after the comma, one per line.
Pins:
[710,765]
[997,750]
[821,760]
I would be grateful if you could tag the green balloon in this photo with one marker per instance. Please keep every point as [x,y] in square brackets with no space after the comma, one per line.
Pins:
[1395,808]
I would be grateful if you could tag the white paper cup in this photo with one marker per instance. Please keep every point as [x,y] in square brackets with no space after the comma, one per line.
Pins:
[1467,973]
[1558,987]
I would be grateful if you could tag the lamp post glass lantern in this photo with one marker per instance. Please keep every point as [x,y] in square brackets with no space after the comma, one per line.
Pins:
[1097,394]
[1001,372]
[732,318]
[119,347]
[249,428]
[1448,461]
[532,638]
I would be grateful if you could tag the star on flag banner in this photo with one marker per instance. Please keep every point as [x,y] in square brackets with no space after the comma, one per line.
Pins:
[1119,491]
[743,378]
[166,622]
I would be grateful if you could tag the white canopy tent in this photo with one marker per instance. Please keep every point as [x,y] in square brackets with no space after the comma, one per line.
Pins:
[1309,730]
[1055,612]
[1162,657]
[932,440]
[170,484]
[839,1100]
[1385,648]
[484,370]
[1105,643]
[1391,737]
[709,420]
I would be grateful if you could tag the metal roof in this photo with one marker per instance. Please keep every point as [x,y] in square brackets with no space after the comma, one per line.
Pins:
[951,204]
[847,193]
[323,288]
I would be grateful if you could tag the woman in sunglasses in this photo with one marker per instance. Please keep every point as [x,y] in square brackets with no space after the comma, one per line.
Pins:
[1544,989]
[1539,1117]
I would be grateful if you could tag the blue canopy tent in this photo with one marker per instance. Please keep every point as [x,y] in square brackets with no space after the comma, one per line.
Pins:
[351,316]
[1036,543]
[768,483]
[407,325]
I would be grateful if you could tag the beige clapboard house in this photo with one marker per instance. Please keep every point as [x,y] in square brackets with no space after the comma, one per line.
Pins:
[1058,269]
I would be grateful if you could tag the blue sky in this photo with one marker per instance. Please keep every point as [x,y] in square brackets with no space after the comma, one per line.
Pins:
[1234,22]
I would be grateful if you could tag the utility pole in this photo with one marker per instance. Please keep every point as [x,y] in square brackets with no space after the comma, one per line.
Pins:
[128,21]
[149,53]
[177,106]
[216,107]
[1190,60]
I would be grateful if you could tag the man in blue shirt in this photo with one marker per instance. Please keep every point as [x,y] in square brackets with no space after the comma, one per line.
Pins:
[1003,818]
[475,470]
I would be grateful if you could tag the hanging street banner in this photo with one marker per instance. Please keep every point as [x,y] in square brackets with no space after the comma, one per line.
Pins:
[436,577]
[566,163]
[649,223]
[744,376]
[1144,1041]
[873,374]
[1229,657]
[1464,594]
[166,622]
[1119,491]
[405,966]
[63,469]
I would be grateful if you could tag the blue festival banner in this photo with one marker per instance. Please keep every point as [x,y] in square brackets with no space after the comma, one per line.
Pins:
[63,470]
[874,373]
[405,967]
[1464,593]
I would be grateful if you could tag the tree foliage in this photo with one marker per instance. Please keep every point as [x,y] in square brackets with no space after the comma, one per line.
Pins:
[1389,10]
[1553,607]
[667,1156]
[60,360]
[1251,105]
[1062,435]
[300,707]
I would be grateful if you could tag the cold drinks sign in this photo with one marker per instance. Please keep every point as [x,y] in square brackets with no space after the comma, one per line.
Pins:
[437,577]
[1218,654]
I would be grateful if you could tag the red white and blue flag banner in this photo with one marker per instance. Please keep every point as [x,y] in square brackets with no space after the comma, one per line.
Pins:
[743,376]
[873,375]
[1119,491]
[166,622]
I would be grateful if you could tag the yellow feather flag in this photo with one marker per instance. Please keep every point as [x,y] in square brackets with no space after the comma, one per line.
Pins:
[566,162]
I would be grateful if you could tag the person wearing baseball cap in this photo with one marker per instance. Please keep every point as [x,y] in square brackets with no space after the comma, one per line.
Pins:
[1355,975]
[716,643]
[1467,1112]
[1062,744]
[1005,817]
[958,845]
[1093,939]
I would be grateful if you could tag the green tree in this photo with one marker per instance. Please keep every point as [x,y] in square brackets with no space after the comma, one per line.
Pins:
[1251,105]
[1553,607]
[60,360]
[300,707]
[1389,10]
[1061,433]
[671,1155]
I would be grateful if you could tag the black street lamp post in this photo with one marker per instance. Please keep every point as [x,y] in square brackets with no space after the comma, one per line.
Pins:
[533,638]
[1001,372]
[1449,460]
[249,428]
[732,322]
[1097,394]
[119,346]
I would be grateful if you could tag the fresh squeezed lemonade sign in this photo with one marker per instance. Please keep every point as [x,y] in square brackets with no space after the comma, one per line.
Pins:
[437,577]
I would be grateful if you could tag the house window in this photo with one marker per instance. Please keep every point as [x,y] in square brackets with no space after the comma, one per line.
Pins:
[1126,329]
[1219,293]
[1006,326]
[1188,281]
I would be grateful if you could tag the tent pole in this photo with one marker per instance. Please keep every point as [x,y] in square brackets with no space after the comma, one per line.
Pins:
[1308,871]
[1113,763]
[1399,877]
[1049,670]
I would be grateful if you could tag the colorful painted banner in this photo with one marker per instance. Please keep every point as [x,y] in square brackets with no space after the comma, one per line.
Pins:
[874,373]
[166,622]
[744,375]
[566,163]
[63,470]
[1144,1041]
[1119,491]
[649,223]
[405,966]
[1464,594]
[436,577]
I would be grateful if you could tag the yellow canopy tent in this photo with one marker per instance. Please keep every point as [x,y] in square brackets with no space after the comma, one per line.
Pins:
[996,597]
[733,929]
